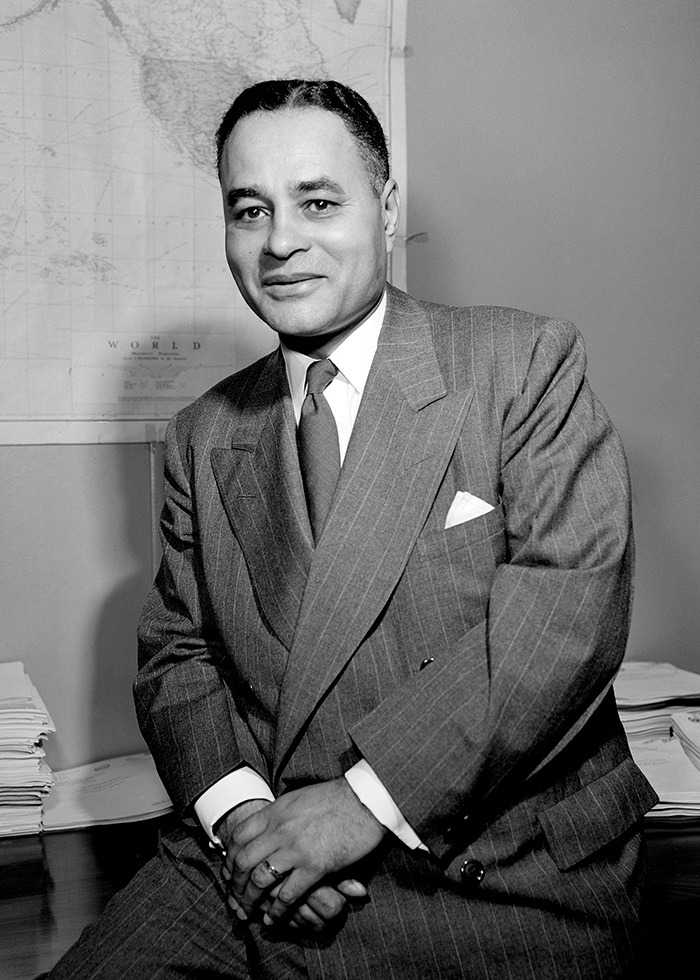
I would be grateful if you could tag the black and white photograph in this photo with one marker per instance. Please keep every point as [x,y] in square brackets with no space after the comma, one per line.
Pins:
[349,407]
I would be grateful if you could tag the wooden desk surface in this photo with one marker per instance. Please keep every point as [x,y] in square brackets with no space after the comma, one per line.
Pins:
[671,913]
[51,887]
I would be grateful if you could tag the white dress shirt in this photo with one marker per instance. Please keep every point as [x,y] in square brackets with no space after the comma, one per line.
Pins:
[353,358]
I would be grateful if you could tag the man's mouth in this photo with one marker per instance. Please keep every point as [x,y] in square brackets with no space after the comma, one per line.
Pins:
[277,279]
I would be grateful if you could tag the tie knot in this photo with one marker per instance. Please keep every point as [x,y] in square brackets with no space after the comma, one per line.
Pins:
[319,375]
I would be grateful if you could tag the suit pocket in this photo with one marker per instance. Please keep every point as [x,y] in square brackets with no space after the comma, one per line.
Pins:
[480,529]
[603,810]
[449,575]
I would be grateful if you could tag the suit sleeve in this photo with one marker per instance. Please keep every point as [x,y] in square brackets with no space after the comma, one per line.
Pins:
[183,706]
[485,716]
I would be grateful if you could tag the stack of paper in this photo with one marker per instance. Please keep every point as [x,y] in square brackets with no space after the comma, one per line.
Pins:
[118,790]
[647,694]
[686,728]
[25,777]
[673,776]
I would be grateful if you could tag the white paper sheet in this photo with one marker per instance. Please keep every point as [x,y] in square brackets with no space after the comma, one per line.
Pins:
[670,772]
[118,790]
[642,683]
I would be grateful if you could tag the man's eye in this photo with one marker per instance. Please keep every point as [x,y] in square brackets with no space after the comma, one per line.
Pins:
[320,206]
[252,213]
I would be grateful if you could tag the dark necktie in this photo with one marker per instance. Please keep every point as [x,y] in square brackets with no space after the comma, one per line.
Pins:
[317,440]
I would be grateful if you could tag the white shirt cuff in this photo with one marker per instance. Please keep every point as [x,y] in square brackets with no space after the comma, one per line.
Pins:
[234,788]
[371,791]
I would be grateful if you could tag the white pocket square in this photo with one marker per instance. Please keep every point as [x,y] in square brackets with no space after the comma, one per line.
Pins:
[465,507]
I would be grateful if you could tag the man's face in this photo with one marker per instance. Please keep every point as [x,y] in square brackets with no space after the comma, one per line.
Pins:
[306,236]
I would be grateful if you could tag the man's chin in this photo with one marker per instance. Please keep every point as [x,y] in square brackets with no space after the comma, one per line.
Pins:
[294,320]
[290,314]
[315,344]
[316,340]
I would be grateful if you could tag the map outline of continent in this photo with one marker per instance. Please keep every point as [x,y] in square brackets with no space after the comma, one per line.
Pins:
[114,225]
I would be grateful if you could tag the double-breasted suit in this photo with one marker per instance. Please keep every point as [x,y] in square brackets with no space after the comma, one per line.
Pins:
[471,666]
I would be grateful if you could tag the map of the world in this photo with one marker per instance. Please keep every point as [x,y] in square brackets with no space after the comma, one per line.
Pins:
[116,300]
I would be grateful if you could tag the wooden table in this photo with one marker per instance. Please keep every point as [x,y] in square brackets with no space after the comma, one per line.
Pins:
[51,887]
[672,902]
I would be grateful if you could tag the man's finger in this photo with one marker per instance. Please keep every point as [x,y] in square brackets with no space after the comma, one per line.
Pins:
[248,829]
[304,917]
[352,888]
[326,901]
[226,827]
[293,889]
[242,836]
[266,875]
[322,906]
[236,908]
[242,861]
[257,875]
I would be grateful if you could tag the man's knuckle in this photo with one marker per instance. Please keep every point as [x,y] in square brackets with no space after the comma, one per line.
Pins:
[286,897]
[313,921]
[336,906]
[325,905]
[240,864]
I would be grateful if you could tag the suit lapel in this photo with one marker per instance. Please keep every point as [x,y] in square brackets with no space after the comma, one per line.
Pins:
[403,438]
[261,489]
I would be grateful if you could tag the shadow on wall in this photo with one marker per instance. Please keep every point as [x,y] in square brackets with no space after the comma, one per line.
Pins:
[124,534]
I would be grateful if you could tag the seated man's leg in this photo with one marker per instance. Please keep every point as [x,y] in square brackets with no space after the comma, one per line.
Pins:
[171,920]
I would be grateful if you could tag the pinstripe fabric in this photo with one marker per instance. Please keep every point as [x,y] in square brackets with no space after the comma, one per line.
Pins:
[507,749]
[171,921]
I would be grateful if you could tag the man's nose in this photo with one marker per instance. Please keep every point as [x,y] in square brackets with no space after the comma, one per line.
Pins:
[286,235]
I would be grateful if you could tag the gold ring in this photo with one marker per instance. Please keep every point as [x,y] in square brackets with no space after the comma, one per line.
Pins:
[271,869]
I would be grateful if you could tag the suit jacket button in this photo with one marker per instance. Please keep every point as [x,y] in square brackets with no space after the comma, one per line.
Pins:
[424,663]
[472,872]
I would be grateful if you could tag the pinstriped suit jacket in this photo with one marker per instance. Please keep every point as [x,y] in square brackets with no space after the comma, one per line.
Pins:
[506,750]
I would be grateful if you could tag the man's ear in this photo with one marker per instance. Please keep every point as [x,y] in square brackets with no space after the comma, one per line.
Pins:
[391,204]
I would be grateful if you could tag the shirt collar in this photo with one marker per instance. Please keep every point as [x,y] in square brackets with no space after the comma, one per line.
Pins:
[353,356]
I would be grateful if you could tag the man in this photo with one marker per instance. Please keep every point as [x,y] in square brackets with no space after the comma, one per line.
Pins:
[376,665]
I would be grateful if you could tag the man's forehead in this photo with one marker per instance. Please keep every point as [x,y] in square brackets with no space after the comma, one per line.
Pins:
[290,119]
[293,139]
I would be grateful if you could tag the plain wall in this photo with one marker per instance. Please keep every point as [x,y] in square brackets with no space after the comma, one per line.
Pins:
[76,564]
[553,151]
[554,164]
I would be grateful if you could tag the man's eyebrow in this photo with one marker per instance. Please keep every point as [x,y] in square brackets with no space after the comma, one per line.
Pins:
[322,183]
[318,184]
[236,193]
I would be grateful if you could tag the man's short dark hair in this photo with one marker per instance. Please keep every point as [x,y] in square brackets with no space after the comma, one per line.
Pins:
[301,93]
